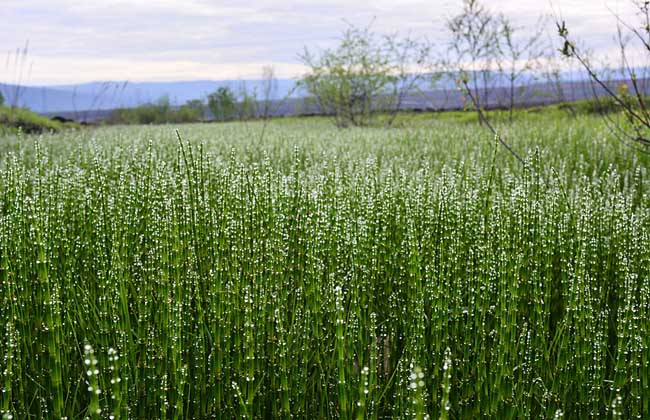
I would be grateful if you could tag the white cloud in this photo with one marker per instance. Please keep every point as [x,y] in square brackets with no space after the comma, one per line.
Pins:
[80,69]
[170,39]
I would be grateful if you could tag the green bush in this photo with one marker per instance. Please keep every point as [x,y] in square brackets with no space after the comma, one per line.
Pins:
[604,105]
[12,119]
[223,104]
[160,112]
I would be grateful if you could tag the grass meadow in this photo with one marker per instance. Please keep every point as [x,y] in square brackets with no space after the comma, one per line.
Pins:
[319,273]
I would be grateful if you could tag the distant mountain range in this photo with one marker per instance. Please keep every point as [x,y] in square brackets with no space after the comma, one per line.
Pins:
[98,96]
[110,95]
[81,101]
[533,94]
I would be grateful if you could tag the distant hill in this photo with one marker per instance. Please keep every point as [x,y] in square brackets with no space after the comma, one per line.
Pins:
[98,96]
[110,95]
[95,101]
[430,100]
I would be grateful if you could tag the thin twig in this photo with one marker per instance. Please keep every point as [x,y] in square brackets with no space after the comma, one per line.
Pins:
[268,115]
[484,118]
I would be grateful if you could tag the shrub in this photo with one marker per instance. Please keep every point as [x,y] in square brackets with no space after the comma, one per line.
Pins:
[12,119]
[160,112]
[223,104]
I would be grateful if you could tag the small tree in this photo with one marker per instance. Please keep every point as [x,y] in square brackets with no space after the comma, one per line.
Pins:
[246,102]
[518,56]
[631,95]
[163,108]
[2,99]
[195,104]
[192,111]
[344,81]
[269,90]
[270,105]
[473,51]
[366,75]
[223,104]
[556,80]
[408,58]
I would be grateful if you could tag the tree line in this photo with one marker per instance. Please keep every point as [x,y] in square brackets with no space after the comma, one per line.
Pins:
[224,104]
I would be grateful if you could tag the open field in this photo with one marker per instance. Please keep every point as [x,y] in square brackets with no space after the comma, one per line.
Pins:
[319,273]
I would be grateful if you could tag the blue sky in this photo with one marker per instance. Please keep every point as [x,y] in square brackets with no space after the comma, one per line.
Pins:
[157,40]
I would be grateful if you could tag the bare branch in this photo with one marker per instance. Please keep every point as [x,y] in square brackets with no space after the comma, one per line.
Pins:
[492,129]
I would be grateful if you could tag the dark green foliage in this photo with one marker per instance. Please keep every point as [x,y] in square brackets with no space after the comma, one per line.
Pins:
[602,105]
[195,104]
[223,104]
[246,103]
[13,119]
[160,112]
[192,111]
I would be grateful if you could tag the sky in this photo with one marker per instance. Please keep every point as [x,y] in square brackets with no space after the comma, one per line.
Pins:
[75,41]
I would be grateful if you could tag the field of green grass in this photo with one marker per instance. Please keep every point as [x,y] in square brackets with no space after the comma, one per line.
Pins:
[316,273]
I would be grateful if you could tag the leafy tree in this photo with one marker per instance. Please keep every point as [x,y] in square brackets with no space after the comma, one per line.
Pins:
[160,112]
[345,80]
[2,99]
[192,111]
[162,108]
[223,104]
[365,76]
[195,104]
